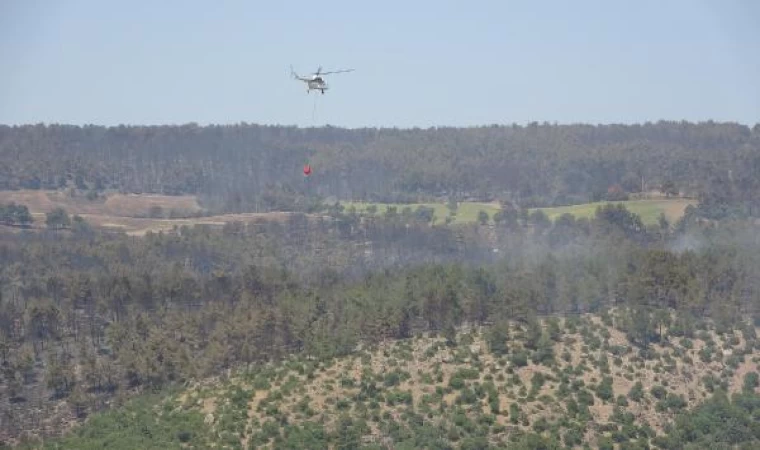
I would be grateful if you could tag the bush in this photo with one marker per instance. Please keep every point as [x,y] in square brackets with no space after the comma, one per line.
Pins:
[675,402]
[520,359]
[585,398]
[637,392]
[456,382]
[573,438]
[604,390]
[392,379]
[751,381]
[514,413]
[605,443]
[659,392]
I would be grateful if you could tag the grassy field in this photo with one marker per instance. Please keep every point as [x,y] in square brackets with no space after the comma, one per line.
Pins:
[649,210]
[130,212]
[467,212]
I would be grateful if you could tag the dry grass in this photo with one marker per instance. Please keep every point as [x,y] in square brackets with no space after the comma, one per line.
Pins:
[140,226]
[132,205]
[117,205]
[128,213]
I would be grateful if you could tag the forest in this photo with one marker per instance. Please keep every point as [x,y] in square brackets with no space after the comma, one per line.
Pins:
[90,316]
[92,320]
[247,167]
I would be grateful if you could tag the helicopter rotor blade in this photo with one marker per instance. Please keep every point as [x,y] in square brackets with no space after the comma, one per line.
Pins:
[338,71]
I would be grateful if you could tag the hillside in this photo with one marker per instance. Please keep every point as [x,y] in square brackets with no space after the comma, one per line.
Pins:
[254,168]
[89,318]
[566,383]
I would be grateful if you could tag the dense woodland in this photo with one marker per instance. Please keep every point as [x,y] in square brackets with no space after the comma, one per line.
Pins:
[258,168]
[90,317]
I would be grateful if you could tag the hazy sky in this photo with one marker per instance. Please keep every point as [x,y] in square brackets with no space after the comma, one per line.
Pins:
[418,63]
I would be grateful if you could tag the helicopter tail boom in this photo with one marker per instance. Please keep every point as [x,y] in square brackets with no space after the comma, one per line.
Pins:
[295,75]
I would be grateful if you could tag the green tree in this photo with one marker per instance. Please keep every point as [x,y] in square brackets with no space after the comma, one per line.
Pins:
[57,219]
[751,382]
[662,221]
[483,217]
[497,336]
[80,226]
[669,188]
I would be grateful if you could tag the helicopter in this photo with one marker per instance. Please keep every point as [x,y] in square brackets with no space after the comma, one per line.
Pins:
[315,81]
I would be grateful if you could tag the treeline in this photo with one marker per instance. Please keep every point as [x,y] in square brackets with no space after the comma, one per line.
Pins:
[15,215]
[88,314]
[257,168]
[18,215]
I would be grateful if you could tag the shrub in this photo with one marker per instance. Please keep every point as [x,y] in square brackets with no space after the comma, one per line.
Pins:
[392,379]
[573,437]
[604,390]
[658,392]
[585,398]
[456,382]
[605,443]
[751,381]
[520,359]
[675,402]
[514,413]
[637,392]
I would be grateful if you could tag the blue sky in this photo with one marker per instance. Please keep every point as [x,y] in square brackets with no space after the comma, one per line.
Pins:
[418,63]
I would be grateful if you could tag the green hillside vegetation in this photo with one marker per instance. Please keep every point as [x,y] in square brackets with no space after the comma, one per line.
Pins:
[552,383]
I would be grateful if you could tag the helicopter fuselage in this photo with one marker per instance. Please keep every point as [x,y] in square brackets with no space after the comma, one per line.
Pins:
[317,84]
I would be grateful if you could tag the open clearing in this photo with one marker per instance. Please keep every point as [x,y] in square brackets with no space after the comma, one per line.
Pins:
[139,226]
[467,212]
[118,205]
[129,213]
[133,213]
[649,210]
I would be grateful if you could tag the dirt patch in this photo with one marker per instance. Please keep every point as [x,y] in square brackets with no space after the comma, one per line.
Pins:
[737,381]
[128,213]
[133,205]
[209,405]
[674,210]
[118,205]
